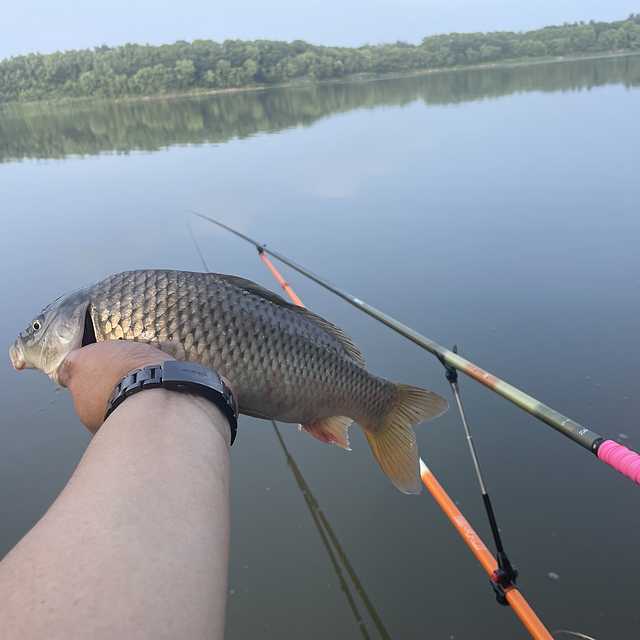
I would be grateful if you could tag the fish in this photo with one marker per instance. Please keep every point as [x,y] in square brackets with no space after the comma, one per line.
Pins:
[285,362]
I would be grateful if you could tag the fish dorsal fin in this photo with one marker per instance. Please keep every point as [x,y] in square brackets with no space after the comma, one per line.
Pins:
[347,343]
[343,338]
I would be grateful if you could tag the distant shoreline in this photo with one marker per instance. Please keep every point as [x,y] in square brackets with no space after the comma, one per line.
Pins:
[50,105]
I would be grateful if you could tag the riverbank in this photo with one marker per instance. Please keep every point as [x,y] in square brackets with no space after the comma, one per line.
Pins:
[47,105]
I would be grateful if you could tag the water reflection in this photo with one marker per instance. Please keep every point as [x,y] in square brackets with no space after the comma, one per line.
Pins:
[158,124]
[327,533]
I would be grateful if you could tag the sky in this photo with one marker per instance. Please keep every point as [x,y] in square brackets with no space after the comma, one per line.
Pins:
[45,26]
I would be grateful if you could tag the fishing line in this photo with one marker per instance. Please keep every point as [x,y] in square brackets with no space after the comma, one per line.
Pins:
[198,248]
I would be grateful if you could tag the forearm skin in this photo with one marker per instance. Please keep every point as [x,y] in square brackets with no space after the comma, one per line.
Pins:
[136,545]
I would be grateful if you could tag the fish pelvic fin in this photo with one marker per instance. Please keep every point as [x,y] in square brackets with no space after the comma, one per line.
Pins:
[394,442]
[331,430]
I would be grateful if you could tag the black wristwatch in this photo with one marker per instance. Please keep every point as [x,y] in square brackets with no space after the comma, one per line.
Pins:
[178,376]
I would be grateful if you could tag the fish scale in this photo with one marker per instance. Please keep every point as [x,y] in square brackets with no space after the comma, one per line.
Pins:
[284,362]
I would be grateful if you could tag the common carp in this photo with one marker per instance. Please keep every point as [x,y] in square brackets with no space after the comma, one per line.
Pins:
[285,362]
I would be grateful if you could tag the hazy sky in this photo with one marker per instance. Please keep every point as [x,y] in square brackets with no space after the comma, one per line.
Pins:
[46,26]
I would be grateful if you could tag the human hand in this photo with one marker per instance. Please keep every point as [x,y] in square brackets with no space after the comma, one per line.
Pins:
[92,372]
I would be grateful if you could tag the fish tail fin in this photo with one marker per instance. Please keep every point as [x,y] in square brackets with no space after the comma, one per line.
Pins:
[331,430]
[394,443]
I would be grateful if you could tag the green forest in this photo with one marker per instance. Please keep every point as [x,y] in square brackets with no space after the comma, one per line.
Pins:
[150,125]
[133,70]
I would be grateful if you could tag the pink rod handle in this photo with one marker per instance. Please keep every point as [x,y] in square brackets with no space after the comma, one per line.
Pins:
[621,459]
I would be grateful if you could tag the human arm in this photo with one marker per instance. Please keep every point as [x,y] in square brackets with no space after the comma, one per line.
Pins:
[136,545]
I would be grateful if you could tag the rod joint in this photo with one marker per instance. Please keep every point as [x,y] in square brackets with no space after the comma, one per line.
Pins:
[596,445]
[451,373]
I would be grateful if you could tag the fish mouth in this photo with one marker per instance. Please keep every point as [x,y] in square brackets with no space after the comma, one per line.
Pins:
[17,359]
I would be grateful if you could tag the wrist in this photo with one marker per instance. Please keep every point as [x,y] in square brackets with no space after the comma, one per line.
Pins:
[208,410]
[184,377]
[159,410]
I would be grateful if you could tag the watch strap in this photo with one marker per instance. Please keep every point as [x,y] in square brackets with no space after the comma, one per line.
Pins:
[178,376]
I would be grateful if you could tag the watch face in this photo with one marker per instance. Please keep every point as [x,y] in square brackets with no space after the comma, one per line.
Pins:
[185,372]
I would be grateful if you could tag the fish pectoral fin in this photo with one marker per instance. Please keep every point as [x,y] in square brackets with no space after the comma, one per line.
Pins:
[331,430]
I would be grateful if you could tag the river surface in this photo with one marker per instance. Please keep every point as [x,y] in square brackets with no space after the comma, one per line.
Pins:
[496,209]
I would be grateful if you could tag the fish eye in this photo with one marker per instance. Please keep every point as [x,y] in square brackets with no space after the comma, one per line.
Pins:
[36,325]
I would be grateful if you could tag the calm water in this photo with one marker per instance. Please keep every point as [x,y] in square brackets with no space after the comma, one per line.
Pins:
[495,209]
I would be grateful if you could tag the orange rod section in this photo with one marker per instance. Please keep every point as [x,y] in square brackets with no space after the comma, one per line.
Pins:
[514,597]
[527,615]
[285,285]
[459,521]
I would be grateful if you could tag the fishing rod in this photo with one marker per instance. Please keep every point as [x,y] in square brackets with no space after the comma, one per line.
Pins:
[502,573]
[612,453]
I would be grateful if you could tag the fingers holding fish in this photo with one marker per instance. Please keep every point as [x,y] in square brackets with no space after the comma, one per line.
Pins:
[92,372]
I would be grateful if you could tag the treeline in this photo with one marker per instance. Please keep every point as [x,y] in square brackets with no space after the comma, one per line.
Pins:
[156,124]
[144,70]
